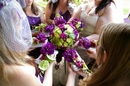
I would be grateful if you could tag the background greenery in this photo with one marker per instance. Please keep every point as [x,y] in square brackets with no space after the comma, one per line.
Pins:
[126,4]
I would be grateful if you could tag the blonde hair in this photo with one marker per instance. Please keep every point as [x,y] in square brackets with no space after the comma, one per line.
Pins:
[115,71]
[9,57]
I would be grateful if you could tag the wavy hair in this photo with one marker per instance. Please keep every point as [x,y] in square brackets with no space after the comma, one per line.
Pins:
[115,71]
[103,4]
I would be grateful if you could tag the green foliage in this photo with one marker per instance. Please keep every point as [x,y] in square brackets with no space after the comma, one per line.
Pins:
[77,2]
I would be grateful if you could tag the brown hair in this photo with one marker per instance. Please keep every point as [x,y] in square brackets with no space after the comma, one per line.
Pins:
[115,71]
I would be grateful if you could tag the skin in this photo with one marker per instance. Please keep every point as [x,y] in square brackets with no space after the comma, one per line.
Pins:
[24,75]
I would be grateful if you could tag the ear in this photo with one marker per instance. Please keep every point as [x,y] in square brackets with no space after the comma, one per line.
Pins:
[104,56]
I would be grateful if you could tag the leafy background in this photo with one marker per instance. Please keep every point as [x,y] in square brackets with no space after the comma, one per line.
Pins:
[126,5]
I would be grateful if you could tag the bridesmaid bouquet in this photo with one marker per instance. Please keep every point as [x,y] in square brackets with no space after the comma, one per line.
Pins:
[77,63]
[48,55]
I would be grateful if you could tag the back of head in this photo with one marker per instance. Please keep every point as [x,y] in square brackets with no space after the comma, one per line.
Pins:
[115,71]
[15,34]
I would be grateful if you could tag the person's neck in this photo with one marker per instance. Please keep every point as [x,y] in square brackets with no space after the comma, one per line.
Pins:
[28,9]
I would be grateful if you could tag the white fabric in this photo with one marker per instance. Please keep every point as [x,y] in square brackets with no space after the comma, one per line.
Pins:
[90,22]
[14,26]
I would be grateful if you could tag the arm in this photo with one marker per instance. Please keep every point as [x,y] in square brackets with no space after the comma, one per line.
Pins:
[71,77]
[48,12]
[48,76]
[25,76]
[76,14]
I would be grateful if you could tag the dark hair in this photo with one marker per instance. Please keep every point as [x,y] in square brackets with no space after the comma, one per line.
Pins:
[103,4]
[53,6]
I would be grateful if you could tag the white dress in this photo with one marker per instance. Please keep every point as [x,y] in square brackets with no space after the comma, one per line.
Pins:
[90,23]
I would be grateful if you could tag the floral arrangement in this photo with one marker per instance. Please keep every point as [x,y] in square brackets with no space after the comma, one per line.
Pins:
[48,51]
[77,63]
[62,35]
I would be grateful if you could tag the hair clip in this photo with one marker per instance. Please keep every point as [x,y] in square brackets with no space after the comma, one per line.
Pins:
[3,3]
[54,1]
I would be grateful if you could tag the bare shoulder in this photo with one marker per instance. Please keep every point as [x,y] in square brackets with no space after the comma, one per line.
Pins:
[23,76]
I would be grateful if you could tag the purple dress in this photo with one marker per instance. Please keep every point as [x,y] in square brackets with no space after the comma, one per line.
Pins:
[34,21]
[66,15]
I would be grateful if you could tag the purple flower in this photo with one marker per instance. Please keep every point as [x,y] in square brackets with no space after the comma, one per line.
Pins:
[82,25]
[62,27]
[63,36]
[79,64]
[84,42]
[70,55]
[47,49]
[76,33]
[49,28]
[59,20]
[41,37]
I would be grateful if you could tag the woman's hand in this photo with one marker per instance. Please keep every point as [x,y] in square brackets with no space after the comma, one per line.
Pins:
[91,52]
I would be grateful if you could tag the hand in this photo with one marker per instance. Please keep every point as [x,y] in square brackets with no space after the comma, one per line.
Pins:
[91,52]
[70,70]
[75,45]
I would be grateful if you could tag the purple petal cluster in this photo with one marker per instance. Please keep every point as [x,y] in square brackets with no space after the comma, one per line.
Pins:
[49,28]
[62,27]
[41,37]
[75,21]
[63,36]
[82,25]
[84,42]
[59,20]
[47,49]
[76,34]
[79,64]
[70,55]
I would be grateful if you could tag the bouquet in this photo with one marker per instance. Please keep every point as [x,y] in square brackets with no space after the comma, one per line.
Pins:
[86,43]
[48,53]
[77,63]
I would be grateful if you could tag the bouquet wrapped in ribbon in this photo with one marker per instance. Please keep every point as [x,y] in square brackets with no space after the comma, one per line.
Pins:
[77,63]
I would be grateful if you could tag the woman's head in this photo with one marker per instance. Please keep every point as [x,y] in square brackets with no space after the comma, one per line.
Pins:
[29,2]
[53,4]
[113,56]
[15,31]
[15,34]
